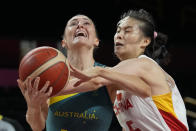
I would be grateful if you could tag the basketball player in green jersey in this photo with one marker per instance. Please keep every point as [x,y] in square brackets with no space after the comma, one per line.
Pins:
[90,111]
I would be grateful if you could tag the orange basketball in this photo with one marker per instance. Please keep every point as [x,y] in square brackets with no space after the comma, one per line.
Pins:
[49,64]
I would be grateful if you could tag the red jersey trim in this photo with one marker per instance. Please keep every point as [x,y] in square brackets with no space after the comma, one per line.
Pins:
[173,123]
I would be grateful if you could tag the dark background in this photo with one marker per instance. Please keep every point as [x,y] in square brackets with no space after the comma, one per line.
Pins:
[45,22]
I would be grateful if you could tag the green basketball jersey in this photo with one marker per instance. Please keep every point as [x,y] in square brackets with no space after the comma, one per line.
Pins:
[89,111]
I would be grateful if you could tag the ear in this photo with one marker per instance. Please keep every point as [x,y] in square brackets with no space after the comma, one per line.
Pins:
[64,43]
[96,42]
[145,42]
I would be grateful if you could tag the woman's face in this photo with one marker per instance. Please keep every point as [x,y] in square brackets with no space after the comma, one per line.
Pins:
[80,31]
[128,39]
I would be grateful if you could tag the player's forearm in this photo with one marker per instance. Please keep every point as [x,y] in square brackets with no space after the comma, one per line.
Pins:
[35,119]
[124,81]
[89,85]
[72,86]
[69,88]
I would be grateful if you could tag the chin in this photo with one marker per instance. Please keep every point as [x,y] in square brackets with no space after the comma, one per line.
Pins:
[118,55]
[121,55]
[80,44]
[80,41]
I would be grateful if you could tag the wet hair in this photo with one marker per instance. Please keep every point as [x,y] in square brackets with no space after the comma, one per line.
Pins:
[157,48]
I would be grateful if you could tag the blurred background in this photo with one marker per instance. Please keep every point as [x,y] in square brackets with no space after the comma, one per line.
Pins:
[27,25]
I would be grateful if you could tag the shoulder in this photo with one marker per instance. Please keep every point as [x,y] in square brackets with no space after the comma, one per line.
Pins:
[141,66]
[139,63]
[146,63]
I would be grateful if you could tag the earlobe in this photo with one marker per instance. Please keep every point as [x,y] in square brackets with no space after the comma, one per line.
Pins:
[96,42]
[145,43]
[64,43]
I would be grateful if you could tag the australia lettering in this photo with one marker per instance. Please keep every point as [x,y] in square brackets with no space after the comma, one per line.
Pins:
[82,115]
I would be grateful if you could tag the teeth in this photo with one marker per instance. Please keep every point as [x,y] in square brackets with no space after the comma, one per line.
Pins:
[80,34]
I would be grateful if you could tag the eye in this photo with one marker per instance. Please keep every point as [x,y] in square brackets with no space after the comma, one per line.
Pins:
[86,23]
[118,31]
[73,23]
[127,31]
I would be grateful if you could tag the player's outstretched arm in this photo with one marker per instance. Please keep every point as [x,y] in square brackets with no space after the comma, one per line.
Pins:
[124,76]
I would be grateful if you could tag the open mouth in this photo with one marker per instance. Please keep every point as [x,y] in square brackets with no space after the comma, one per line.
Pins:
[118,44]
[80,34]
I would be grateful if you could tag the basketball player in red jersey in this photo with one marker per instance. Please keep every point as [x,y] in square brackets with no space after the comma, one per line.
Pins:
[145,97]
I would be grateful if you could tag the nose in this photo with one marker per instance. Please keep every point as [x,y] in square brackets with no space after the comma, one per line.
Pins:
[118,35]
[80,25]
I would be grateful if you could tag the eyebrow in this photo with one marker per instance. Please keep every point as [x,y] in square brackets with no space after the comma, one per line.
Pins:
[82,18]
[126,27]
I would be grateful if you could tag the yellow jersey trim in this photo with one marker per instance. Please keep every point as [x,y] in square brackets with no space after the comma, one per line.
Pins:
[59,98]
[164,102]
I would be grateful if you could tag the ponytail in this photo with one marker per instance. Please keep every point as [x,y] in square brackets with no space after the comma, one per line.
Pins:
[160,53]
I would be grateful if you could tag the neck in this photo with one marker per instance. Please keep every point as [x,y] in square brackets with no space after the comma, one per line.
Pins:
[131,56]
[81,58]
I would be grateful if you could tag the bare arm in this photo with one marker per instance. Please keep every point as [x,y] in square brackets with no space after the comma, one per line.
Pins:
[131,83]
[37,107]
[124,76]
[75,86]
[36,118]
[153,80]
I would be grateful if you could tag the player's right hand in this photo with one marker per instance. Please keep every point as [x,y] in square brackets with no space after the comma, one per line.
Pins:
[33,96]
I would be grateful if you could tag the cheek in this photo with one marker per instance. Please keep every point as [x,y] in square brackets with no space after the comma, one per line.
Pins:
[70,30]
[115,36]
[131,38]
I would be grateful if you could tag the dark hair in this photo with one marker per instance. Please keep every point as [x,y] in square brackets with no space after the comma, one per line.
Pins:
[157,48]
